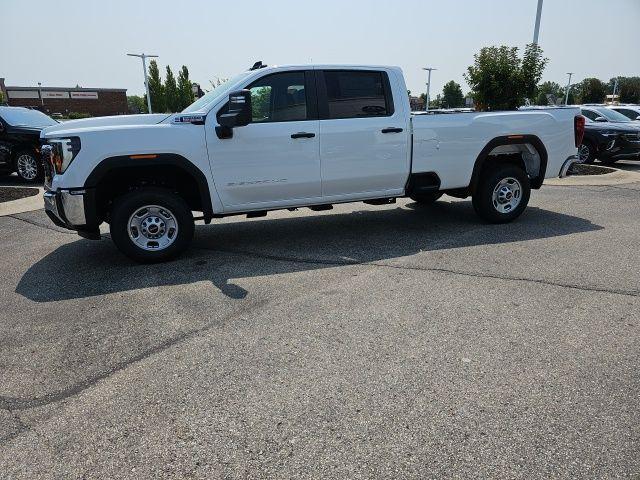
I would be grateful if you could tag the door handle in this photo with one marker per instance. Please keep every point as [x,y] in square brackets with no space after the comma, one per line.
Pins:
[303,135]
[391,130]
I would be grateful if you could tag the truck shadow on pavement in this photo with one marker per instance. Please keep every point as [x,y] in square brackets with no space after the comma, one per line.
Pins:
[221,252]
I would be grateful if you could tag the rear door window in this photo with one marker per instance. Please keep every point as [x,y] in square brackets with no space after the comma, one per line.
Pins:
[357,94]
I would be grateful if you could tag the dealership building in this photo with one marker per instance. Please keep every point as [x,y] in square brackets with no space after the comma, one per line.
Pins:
[92,101]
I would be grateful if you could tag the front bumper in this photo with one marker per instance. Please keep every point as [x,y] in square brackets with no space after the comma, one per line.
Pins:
[73,210]
[567,165]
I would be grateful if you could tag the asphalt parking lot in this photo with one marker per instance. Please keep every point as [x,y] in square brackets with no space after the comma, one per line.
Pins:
[363,342]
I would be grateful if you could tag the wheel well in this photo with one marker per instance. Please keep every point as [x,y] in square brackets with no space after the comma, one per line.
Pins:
[525,151]
[113,182]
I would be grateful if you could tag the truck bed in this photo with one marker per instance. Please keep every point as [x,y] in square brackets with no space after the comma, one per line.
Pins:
[449,144]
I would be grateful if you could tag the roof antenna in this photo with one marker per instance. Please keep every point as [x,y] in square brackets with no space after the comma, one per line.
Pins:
[257,66]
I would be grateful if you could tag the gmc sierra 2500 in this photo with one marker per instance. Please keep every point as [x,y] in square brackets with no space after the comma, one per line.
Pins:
[293,136]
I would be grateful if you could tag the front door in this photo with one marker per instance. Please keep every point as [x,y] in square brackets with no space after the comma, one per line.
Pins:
[274,161]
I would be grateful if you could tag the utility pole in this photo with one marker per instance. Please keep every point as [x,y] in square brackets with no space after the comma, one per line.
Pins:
[428,69]
[144,68]
[566,95]
[536,31]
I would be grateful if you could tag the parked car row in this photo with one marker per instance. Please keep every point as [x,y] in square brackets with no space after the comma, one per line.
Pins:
[612,133]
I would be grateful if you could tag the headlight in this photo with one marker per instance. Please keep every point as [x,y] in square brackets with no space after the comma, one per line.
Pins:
[64,150]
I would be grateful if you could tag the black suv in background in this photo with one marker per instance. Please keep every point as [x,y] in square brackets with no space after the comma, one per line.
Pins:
[608,136]
[20,142]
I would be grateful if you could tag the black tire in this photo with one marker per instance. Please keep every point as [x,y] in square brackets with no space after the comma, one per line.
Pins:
[170,209]
[587,152]
[425,198]
[483,197]
[34,172]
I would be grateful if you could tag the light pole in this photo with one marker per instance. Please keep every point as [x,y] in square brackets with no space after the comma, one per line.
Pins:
[536,30]
[144,67]
[40,93]
[615,87]
[428,69]
[566,95]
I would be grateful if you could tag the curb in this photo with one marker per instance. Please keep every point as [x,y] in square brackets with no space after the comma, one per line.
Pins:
[618,177]
[22,205]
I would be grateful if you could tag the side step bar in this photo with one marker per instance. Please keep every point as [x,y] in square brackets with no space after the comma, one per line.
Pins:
[379,201]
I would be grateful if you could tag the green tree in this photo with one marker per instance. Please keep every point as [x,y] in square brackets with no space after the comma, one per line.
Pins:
[592,90]
[628,89]
[137,104]
[452,96]
[171,91]
[185,91]
[260,101]
[500,80]
[548,93]
[1,98]
[156,89]
[436,102]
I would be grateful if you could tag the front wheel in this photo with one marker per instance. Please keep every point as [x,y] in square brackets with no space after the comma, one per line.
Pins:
[502,194]
[28,167]
[151,224]
[586,153]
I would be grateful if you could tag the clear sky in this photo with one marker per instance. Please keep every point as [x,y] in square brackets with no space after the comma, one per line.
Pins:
[69,42]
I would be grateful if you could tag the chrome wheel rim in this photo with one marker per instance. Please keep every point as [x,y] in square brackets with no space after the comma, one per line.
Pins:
[153,228]
[583,153]
[507,195]
[27,167]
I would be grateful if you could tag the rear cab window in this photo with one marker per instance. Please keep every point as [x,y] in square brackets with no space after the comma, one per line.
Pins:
[354,94]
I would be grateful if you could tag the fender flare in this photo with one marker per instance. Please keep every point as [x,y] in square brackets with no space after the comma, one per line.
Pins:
[161,159]
[512,140]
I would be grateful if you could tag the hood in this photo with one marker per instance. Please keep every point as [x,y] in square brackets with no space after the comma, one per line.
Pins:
[97,122]
[24,130]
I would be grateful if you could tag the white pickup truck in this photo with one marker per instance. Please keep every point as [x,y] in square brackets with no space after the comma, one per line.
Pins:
[293,136]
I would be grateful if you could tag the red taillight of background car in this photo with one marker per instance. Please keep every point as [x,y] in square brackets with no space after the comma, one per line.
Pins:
[578,129]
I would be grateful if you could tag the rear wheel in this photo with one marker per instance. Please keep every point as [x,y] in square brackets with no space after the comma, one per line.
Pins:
[151,224]
[28,167]
[426,198]
[502,193]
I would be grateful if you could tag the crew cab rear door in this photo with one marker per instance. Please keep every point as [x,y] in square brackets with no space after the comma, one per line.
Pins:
[274,161]
[364,134]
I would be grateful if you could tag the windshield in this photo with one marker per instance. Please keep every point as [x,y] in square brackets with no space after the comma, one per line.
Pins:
[24,117]
[217,92]
[612,115]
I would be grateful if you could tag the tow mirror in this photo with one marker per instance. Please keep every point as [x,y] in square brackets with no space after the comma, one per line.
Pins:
[239,111]
[601,119]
